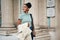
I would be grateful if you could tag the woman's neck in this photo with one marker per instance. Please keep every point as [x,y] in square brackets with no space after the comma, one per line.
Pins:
[26,11]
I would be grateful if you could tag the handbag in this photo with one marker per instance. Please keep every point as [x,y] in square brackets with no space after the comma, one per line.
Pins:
[33,31]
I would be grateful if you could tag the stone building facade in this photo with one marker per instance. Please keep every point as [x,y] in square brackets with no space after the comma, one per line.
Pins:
[11,9]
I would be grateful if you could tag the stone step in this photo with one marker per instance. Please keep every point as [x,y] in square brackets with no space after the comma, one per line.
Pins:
[7,32]
[38,31]
[2,32]
[5,29]
[44,37]
[42,33]
[44,30]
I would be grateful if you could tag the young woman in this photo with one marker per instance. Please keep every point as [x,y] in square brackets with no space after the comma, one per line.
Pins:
[27,17]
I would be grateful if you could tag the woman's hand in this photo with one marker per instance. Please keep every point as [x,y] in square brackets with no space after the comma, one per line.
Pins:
[18,22]
[34,33]
[28,24]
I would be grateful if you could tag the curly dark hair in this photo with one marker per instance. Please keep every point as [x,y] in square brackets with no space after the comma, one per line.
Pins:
[28,5]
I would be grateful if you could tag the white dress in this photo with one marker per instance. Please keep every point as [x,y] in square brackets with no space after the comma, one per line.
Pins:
[24,32]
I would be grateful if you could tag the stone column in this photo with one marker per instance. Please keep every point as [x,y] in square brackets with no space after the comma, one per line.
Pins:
[42,12]
[7,13]
[58,19]
[16,10]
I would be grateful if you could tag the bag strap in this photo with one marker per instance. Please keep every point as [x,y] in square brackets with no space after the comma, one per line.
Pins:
[32,22]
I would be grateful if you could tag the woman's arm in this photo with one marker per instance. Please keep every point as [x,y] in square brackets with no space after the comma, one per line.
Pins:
[19,21]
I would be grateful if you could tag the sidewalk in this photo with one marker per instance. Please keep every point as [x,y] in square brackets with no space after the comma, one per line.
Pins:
[8,38]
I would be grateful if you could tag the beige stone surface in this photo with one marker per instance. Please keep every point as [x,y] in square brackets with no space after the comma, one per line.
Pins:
[7,13]
[58,19]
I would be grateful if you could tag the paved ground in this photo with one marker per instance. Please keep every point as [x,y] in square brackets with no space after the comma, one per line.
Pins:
[52,34]
[8,38]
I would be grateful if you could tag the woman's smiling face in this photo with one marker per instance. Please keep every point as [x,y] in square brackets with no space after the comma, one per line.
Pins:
[25,8]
